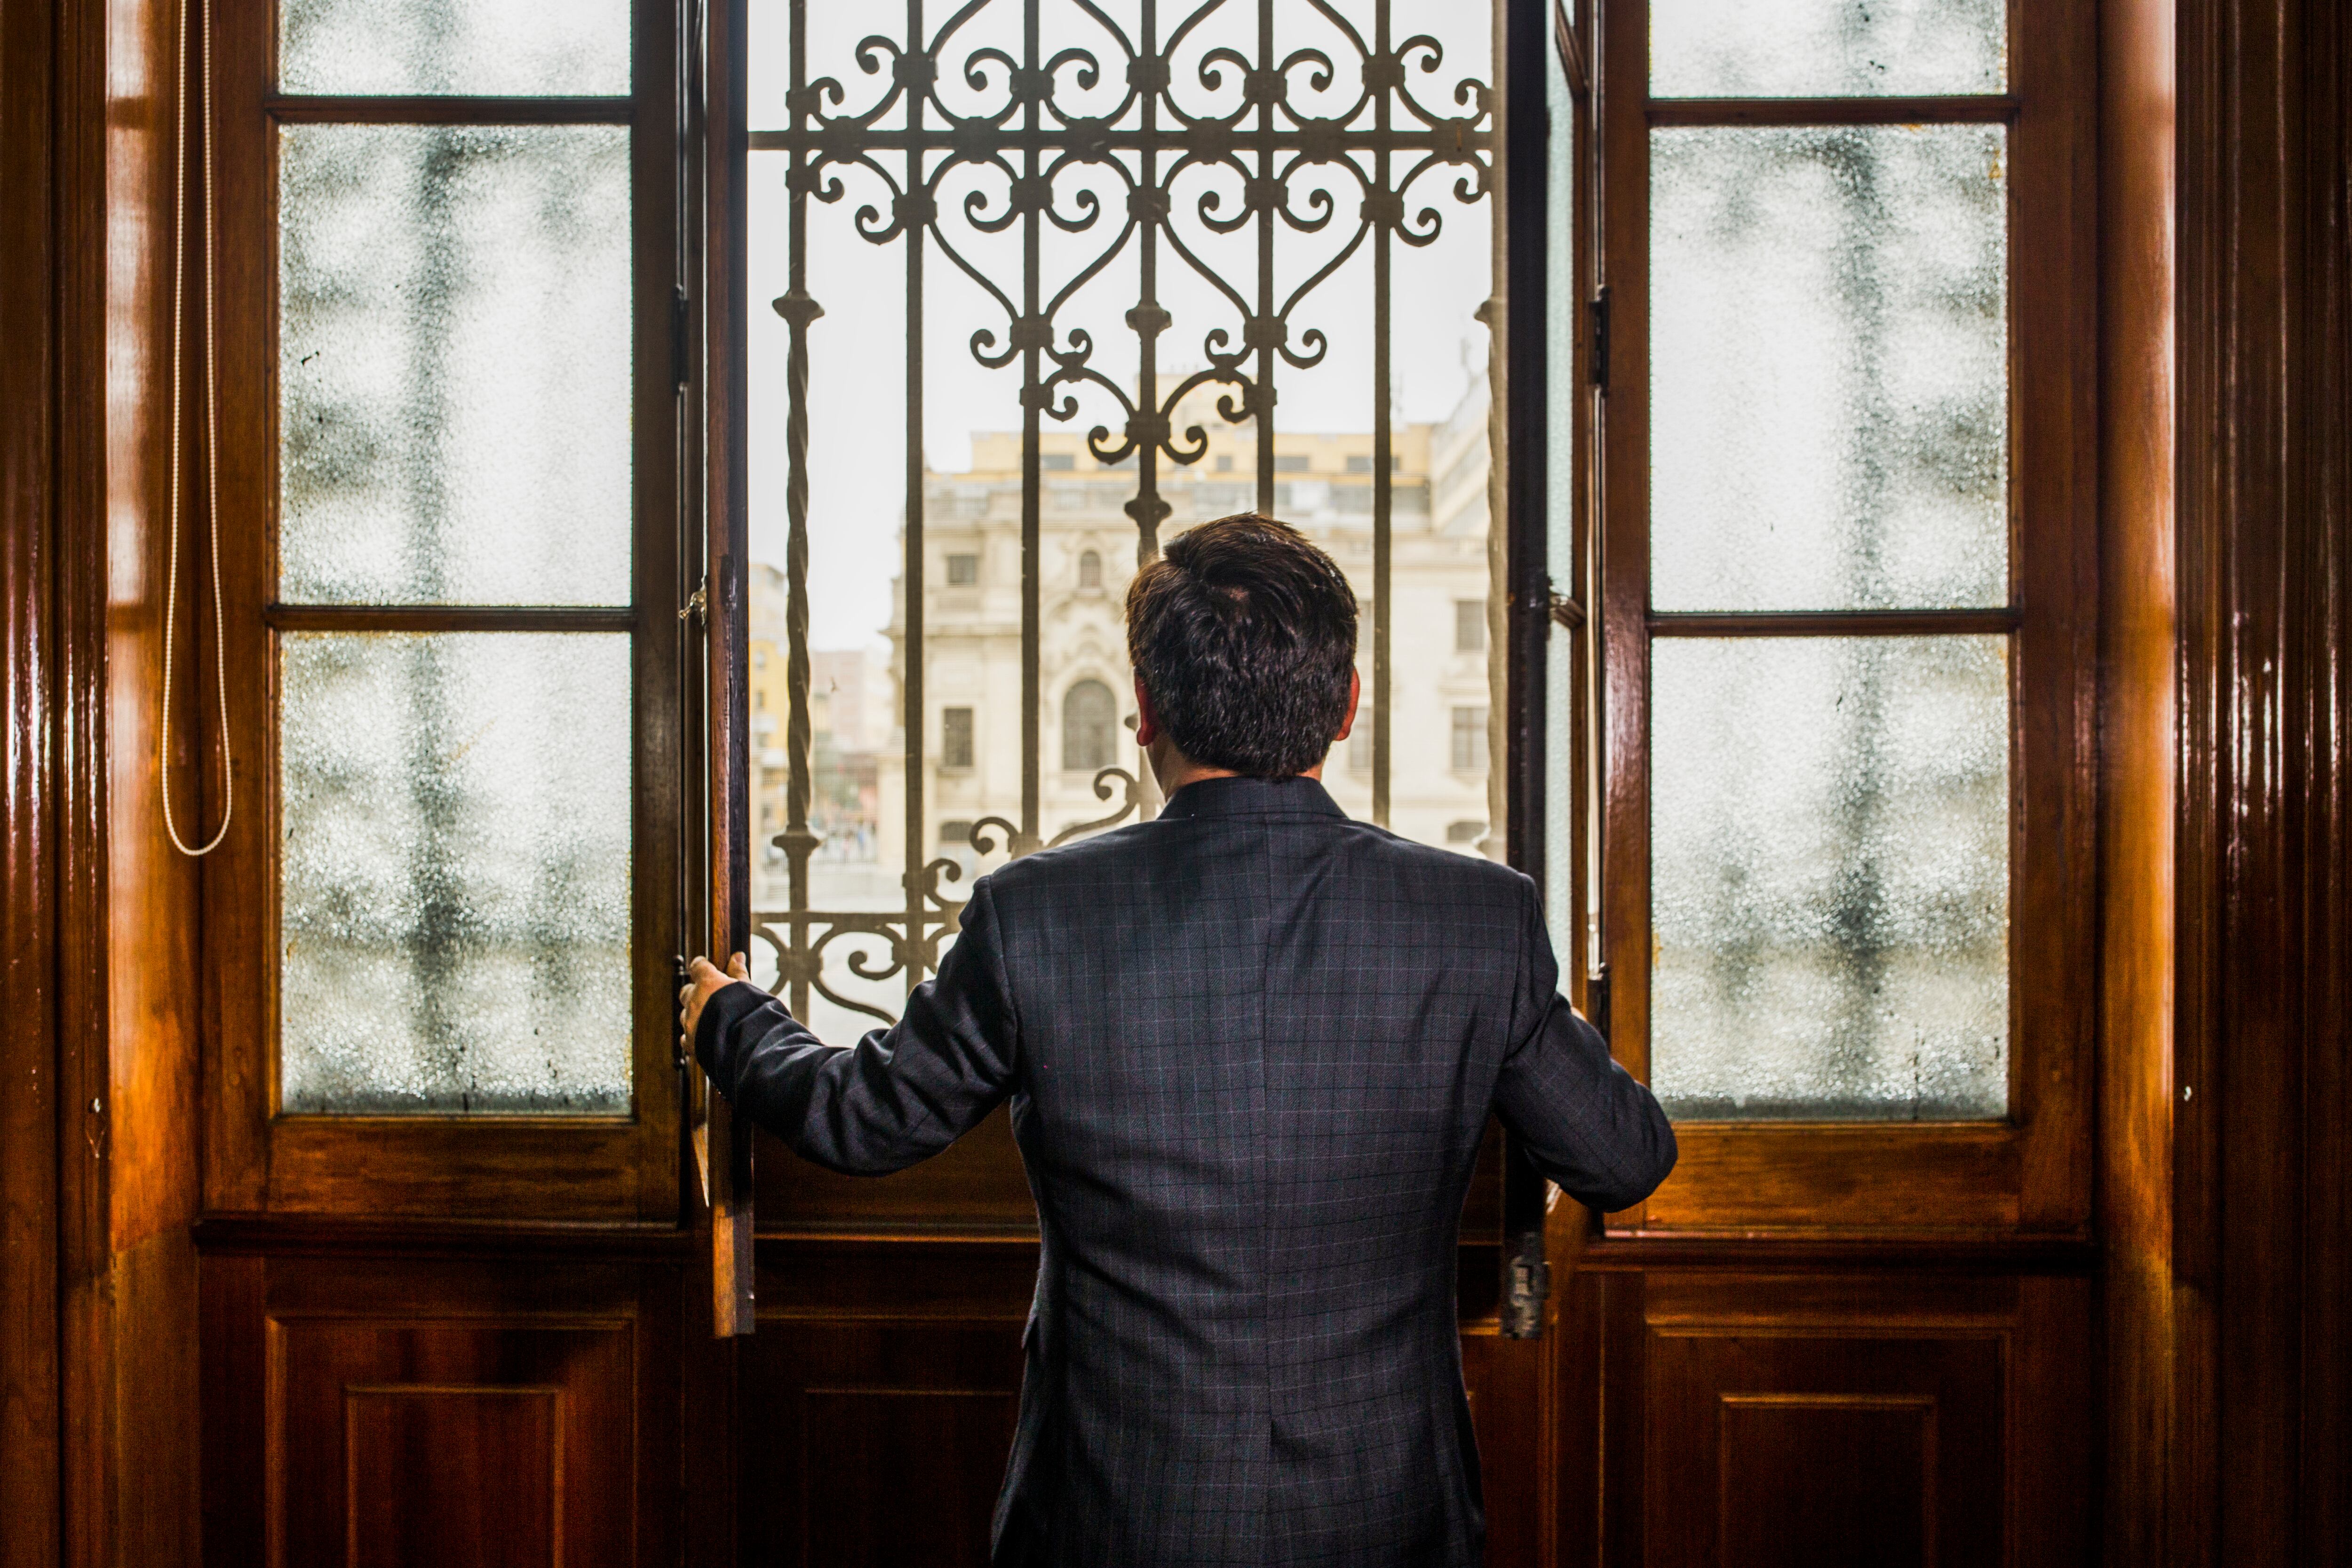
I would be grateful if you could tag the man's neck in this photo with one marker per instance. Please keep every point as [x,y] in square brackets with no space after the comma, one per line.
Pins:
[1174,770]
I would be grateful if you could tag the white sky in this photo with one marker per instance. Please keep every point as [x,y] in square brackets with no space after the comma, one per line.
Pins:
[858,351]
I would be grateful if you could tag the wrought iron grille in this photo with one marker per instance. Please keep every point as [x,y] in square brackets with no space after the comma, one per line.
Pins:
[1031,159]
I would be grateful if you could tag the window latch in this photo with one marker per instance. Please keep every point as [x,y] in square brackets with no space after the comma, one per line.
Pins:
[697,606]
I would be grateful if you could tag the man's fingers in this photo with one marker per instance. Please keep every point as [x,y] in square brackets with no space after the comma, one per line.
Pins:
[737,969]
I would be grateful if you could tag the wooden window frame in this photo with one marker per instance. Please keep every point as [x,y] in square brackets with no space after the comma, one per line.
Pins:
[2029,1173]
[256,1157]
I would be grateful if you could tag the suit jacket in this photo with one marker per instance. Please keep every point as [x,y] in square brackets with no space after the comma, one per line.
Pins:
[1250,1047]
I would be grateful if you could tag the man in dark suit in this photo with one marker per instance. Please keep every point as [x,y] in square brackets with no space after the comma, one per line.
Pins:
[1250,1047]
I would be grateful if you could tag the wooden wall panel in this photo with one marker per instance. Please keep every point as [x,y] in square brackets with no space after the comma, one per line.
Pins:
[428,1411]
[875,1441]
[463,1475]
[411,1443]
[1729,1416]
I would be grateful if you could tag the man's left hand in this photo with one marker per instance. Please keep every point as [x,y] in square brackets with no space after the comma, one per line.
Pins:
[703,982]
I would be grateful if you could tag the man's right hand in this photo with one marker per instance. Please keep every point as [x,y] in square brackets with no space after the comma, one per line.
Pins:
[703,982]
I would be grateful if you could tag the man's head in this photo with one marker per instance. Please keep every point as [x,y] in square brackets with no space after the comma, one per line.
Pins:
[1243,635]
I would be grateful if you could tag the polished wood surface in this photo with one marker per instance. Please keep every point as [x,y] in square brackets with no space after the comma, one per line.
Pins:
[384,1411]
[30,1396]
[2261,1399]
[2138,795]
[1740,1417]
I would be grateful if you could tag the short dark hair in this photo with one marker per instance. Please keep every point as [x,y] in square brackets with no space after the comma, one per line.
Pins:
[1245,636]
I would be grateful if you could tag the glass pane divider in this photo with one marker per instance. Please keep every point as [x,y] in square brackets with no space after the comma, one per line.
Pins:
[1980,110]
[1833,623]
[368,108]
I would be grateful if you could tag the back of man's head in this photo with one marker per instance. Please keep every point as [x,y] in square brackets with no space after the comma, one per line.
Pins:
[1245,636]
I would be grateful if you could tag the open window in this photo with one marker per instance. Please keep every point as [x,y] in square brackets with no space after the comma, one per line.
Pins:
[1847,605]
[1029,287]
[440,932]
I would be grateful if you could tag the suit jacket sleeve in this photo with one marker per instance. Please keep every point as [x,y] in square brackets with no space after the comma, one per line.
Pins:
[900,1095]
[1582,1118]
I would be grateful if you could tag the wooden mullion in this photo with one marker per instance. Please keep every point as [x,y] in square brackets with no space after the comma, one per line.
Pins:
[360,109]
[450,618]
[1833,623]
[1969,110]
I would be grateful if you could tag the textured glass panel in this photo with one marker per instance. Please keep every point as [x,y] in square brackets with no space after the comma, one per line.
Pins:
[492,47]
[453,365]
[455,872]
[1828,363]
[1830,878]
[1827,49]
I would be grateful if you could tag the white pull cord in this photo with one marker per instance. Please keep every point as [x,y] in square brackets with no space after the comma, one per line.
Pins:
[212,430]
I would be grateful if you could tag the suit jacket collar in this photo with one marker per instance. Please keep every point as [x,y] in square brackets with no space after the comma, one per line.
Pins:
[1297,796]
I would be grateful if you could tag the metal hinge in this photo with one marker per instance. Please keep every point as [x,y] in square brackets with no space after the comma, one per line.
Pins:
[681,338]
[1597,316]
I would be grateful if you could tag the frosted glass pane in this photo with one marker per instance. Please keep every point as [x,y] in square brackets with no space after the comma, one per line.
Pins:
[453,365]
[516,47]
[454,878]
[1830,878]
[1828,345]
[1827,49]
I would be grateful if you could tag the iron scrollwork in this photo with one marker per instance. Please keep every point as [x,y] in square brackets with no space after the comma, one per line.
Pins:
[957,138]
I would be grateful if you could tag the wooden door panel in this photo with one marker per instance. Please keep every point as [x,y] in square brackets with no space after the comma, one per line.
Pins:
[1874,1417]
[1771,1447]
[462,1476]
[401,1442]
[434,1410]
[875,1441]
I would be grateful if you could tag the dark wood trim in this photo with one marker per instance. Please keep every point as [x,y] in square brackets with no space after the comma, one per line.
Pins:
[447,618]
[1833,623]
[1972,111]
[325,1236]
[290,109]
[33,1126]
[1955,1252]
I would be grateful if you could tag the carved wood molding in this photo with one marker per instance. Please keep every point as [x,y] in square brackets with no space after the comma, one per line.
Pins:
[2265,927]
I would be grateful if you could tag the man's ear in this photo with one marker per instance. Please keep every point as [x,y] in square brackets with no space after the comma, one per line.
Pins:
[1355,691]
[1147,726]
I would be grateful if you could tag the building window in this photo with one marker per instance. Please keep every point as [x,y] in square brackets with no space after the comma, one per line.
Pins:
[955,737]
[1290,462]
[1361,463]
[1464,832]
[955,832]
[963,571]
[1469,625]
[1090,569]
[1090,720]
[1469,740]
[1057,462]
